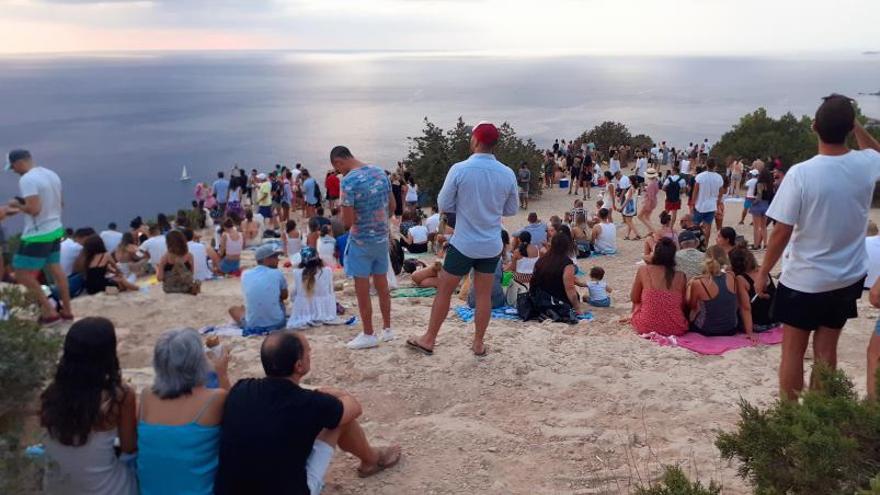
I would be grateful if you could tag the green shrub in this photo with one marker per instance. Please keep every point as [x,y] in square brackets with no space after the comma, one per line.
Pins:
[674,482]
[26,360]
[827,443]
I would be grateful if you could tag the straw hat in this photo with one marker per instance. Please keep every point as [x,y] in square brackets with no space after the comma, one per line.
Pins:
[650,173]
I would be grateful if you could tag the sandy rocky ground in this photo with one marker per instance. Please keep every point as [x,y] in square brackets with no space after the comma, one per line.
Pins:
[581,409]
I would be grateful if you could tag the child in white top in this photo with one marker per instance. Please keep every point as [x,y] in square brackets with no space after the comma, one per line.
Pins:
[600,293]
[314,302]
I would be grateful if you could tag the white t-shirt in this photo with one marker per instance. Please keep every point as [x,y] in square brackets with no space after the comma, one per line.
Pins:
[685,166]
[46,184]
[70,251]
[200,259]
[707,197]
[641,166]
[872,246]
[419,234]
[750,187]
[614,166]
[827,199]
[624,183]
[156,248]
[433,223]
[412,194]
[598,290]
[111,239]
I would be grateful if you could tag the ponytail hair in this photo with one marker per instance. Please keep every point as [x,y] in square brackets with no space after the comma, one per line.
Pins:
[716,259]
[525,239]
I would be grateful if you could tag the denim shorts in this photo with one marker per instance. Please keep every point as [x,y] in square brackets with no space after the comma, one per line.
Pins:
[600,303]
[877,328]
[366,260]
[703,218]
[229,266]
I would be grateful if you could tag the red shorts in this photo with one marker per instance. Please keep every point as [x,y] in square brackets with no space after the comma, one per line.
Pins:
[673,205]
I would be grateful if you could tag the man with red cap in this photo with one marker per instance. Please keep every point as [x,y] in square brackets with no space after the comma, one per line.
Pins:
[479,190]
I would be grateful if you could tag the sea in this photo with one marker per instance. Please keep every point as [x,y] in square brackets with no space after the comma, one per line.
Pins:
[119,128]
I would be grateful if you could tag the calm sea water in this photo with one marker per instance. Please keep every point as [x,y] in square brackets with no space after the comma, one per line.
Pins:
[119,129]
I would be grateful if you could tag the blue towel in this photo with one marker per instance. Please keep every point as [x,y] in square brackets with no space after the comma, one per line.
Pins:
[506,313]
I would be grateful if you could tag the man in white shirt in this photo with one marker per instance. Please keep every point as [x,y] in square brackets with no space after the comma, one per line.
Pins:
[40,203]
[751,184]
[825,222]
[685,166]
[708,190]
[201,254]
[872,247]
[111,237]
[432,223]
[154,247]
[71,247]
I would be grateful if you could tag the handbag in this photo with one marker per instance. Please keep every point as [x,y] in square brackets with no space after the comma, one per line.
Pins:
[513,291]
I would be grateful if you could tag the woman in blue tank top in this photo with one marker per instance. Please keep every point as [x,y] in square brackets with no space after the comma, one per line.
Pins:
[179,418]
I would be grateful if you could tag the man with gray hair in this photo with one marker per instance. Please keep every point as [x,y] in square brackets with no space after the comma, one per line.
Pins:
[688,258]
[265,291]
[279,437]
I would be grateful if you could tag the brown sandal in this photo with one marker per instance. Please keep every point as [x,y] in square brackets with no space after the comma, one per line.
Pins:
[388,457]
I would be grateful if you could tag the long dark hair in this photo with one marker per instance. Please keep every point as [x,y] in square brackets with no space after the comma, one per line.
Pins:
[310,273]
[92,246]
[525,238]
[554,261]
[87,375]
[162,222]
[664,255]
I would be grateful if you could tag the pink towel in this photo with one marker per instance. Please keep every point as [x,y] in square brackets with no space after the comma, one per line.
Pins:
[714,346]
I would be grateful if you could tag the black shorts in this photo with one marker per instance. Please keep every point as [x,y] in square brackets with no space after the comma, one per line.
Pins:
[808,312]
[460,265]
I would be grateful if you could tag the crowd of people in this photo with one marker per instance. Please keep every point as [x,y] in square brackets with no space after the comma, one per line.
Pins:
[193,431]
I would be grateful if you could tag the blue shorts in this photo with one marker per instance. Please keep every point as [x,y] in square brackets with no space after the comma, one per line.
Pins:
[366,260]
[265,211]
[229,266]
[877,328]
[701,218]
[247,330]
[600,303]
[747,204]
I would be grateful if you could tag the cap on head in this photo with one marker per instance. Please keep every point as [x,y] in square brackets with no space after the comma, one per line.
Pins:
[308,254]
[486,133]
[261,176]
[14,156]
[686,236]
[266,251]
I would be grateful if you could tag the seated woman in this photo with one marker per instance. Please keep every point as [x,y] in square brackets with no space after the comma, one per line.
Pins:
[314,233]
[428,276]
[499,300]
[416,239]
[98,269]
[581,233]
[84,410]
[250,228]
[555,272]
[658,294]
[524,258]
[175,269]
[314,302]
[665,230]
[291,239]
[745,266]
[179,417]
[231,245]
[327,246]
[127,257]
[715,298]
[605,234]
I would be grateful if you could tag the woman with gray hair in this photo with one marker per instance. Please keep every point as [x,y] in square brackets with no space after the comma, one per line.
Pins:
[179,417]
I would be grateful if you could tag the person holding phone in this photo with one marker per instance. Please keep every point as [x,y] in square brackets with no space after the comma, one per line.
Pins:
[41,204]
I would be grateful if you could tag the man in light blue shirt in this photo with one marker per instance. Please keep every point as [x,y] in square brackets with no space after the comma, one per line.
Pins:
[265,291]
[220,189]
[480,191]
[536,228]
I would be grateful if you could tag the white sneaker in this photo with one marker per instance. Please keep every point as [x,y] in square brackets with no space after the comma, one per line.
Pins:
[388,335]
[363,341]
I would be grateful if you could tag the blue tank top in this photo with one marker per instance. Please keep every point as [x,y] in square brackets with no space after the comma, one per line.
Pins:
[178,459]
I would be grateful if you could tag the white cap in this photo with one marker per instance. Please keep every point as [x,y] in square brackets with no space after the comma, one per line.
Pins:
[261,176]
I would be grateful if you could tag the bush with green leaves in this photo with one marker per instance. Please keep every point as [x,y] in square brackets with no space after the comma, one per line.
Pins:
[826,443]
[608,134]
[675,482]
[27,357]
[435,151]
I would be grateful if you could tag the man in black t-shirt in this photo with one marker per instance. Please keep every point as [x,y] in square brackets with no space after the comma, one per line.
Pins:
[279,438]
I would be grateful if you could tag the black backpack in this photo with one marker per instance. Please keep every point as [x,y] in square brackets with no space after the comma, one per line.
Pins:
[673,190]
[537,304]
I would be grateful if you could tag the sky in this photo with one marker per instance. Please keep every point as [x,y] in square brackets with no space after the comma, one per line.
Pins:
[530,27]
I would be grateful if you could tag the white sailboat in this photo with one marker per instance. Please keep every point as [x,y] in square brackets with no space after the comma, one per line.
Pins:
[184,176]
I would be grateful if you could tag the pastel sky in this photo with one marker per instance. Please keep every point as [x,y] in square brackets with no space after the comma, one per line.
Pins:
[498,26]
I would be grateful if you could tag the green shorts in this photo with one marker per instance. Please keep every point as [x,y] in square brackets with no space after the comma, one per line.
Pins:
[36,255]
[460,265]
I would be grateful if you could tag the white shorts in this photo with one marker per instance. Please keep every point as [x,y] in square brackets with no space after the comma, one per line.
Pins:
[317,465]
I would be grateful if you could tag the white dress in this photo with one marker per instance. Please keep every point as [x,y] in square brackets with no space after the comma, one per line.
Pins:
[327,250]
[319,308]
[92,468]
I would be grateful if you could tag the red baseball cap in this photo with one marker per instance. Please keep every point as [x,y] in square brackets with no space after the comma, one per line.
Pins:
[486,133]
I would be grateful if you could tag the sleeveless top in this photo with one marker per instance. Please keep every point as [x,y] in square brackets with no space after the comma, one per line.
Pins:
[179,278]
[96,279]
[234,247]
[179,458]
[606,242]
[760,306]
[660,312]
[551,281]
[294,245]
[92,468]
[717,316]
[412,194]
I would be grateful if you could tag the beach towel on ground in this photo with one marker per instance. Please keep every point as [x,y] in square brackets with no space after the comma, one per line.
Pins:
[504,313]
[414,292]
[227,330]
[715,346]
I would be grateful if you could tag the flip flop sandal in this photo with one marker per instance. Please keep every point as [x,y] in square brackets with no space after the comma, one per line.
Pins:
[384,462]
[418,347]
[482,354]
[48,322]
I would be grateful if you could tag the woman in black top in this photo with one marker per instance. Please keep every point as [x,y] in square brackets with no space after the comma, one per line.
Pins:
[745,266]
[555,271]
[98,269]
[397,191]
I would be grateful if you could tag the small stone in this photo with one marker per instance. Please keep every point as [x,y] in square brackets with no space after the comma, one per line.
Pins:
[492,450]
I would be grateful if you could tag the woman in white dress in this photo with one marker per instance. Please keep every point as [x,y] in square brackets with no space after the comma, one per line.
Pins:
[314,302]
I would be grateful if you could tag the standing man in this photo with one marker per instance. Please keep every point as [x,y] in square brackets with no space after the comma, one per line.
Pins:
[367,203]
[825,221]
[708,191]
[264,198]
[310,193]
[221,193]
[525,179]
[41,204]
[479,190]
